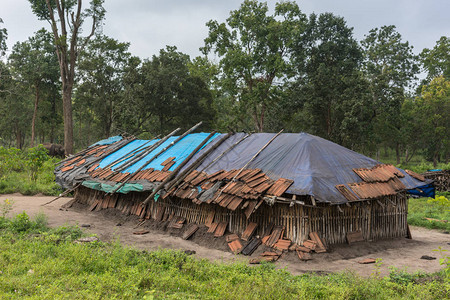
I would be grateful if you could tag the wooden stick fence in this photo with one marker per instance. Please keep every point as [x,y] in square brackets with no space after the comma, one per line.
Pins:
[381,219]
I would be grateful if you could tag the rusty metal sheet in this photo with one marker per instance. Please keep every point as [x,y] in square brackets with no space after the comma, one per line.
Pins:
[379,173]
[167,161]
[191,176]
[190,230]
[254,174]
[68,168]
[228,198]
[199,179]
[282,245]
[415,175]
[260,189]
[213,227]
[210,218]
[346,192]
[366,190]
[235,246]
[234,204]
[280,186]
[396,184]
[249,210]
[230,174]
[248,232]
[213,177]
[257,181]
[220,230]
[231,237]
[207,185]
[81,162]
[168,166]
[244,173]
[394,170]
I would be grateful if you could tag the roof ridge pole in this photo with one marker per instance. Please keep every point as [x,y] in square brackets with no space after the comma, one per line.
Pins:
[225,152]
[133,161]
[156,156]
[131,153]
[175,172]
[194,165]
[251,159]
[146,152]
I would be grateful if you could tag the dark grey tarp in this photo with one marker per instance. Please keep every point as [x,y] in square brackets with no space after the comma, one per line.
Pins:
[316,165]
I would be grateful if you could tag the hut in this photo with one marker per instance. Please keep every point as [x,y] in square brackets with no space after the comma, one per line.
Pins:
[247,184]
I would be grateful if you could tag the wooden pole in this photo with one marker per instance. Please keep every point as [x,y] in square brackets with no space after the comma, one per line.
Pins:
[194,165]
[175,172]
[225,152]
[251,159]
[63,194]
[156,156]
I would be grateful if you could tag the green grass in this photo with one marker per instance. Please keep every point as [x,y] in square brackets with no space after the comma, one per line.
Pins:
[41,263]
[421,208]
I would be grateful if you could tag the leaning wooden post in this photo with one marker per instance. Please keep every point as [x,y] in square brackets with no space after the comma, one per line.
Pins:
[175,172]
[195,164]
[63,194]
[251,159]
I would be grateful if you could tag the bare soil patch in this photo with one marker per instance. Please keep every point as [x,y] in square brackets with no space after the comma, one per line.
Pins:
[110,224]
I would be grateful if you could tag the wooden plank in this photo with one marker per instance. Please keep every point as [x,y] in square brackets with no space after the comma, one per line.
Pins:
[354,236]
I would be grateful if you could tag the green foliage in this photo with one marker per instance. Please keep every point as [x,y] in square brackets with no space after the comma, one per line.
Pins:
[438,208]
[255,51]
[28,172]
[436,61]
[37,156]
[49,264]
[3,37]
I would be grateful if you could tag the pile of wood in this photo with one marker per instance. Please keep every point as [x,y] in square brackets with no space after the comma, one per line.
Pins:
[441,179]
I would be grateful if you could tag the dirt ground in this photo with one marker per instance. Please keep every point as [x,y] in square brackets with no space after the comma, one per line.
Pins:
[110,224]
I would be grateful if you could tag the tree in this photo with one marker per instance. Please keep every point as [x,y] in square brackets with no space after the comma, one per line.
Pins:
[255,54]
[390,67]
[436,61]
[70,16]
[35,64]
[331,94]
[162,94]
[433,110]
[3,37]
[101,69]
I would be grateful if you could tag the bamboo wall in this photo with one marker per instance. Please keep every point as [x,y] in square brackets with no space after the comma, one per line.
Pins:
[385,218]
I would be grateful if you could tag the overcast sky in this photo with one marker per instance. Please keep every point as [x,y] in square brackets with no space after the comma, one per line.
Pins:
[150,25]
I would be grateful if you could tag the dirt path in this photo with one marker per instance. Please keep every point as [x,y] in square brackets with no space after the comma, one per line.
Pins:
[400,253]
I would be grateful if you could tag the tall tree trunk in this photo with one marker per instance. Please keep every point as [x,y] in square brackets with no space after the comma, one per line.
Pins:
[67,116]
[33,120]
[397,152]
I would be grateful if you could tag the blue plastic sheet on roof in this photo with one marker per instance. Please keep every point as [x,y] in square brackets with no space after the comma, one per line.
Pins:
[108,141]
[180,151]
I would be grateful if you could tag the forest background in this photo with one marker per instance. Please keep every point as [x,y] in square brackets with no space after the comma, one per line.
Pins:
[261,70]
